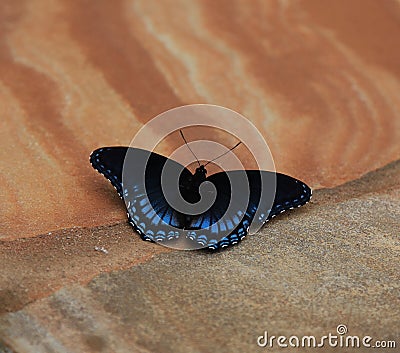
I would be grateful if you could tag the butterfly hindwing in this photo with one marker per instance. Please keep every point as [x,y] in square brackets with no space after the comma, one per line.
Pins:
[233,212]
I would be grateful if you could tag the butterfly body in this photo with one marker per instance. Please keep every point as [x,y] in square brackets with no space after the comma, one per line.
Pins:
[236,200]
[189,187]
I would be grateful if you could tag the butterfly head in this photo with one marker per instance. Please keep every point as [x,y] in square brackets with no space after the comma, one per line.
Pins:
[201,172]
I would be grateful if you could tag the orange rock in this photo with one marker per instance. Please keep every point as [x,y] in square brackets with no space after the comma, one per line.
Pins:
[320,81]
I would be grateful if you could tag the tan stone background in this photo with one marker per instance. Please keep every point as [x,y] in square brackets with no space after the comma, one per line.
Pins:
[319,79]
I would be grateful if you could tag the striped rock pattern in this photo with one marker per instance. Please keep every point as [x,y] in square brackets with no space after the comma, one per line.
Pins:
[320,82]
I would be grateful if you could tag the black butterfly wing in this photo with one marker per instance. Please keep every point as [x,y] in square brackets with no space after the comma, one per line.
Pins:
[239,197]
[268,194]
[109,162]
[290,193]
[136,175]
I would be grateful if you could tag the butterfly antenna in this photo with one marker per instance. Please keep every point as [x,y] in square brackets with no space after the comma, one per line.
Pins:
[189,147]
[223,154]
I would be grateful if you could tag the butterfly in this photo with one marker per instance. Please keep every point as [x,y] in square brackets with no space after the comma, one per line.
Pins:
[236,199]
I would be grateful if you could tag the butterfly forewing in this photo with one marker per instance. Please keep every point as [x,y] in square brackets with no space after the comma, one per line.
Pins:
[290,193]
[109,161]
